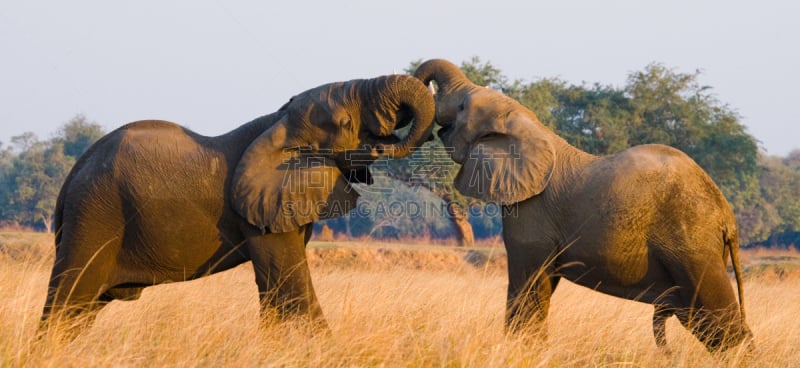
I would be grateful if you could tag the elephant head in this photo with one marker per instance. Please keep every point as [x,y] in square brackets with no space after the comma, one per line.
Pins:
[300,169]
[507,155]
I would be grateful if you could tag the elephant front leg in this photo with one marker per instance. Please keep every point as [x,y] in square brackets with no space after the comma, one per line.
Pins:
[529,292]
[283,277]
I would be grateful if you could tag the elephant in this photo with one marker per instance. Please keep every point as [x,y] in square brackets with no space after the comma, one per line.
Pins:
[645,224]
[153,202]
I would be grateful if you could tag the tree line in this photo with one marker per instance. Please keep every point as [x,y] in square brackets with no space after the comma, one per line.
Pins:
[33,170]
[414,197]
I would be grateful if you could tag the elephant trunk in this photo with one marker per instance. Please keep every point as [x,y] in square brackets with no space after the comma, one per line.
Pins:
[400,95]
[449,80]
[448,76]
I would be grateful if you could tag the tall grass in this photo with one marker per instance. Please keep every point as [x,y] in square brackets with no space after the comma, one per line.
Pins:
[435,311]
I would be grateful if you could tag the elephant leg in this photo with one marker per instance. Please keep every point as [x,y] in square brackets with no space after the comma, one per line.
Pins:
[78,280]
[710,311]
[283,277]
[73,301]
[531,283]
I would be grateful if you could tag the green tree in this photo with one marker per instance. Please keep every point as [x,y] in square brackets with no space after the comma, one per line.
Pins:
[792,160]
[484,74]
[78,134]
[779,180]
[31,179]
[33,182]
[6,163]
[660,109]
[6,159]
[541,97]
[593,119]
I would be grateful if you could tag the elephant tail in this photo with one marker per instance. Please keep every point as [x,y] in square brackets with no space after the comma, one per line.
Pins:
[731,237]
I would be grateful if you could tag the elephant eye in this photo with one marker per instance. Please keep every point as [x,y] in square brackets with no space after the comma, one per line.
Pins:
[461,107]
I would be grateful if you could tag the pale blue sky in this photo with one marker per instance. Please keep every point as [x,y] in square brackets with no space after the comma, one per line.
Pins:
[213,65]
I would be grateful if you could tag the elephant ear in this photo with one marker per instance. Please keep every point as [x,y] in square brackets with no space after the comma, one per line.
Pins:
[280,189]
[509,166]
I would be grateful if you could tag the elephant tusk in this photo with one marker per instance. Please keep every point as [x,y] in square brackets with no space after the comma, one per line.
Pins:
[432,88]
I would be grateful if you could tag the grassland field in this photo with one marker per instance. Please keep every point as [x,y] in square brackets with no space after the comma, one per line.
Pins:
[388,305]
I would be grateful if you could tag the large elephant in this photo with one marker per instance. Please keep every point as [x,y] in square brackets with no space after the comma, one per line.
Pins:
[153,202]
[646,224]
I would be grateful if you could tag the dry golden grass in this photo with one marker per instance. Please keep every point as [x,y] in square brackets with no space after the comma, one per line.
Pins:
[432,309]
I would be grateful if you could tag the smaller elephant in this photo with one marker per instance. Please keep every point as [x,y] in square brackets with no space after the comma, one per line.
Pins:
[646,224]
[153,202]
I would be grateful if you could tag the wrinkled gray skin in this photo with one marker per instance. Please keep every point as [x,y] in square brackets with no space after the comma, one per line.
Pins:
[154,202]
[646,224]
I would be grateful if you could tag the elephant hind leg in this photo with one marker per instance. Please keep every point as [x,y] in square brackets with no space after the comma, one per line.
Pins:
[68,311]
[70,318]
[74,295]
[710,310]
[71,292]
[660,315]
[704,301]
[713,327]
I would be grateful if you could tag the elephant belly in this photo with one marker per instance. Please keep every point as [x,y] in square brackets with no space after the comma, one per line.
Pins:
[647,291]
[630,275]
[177,240]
